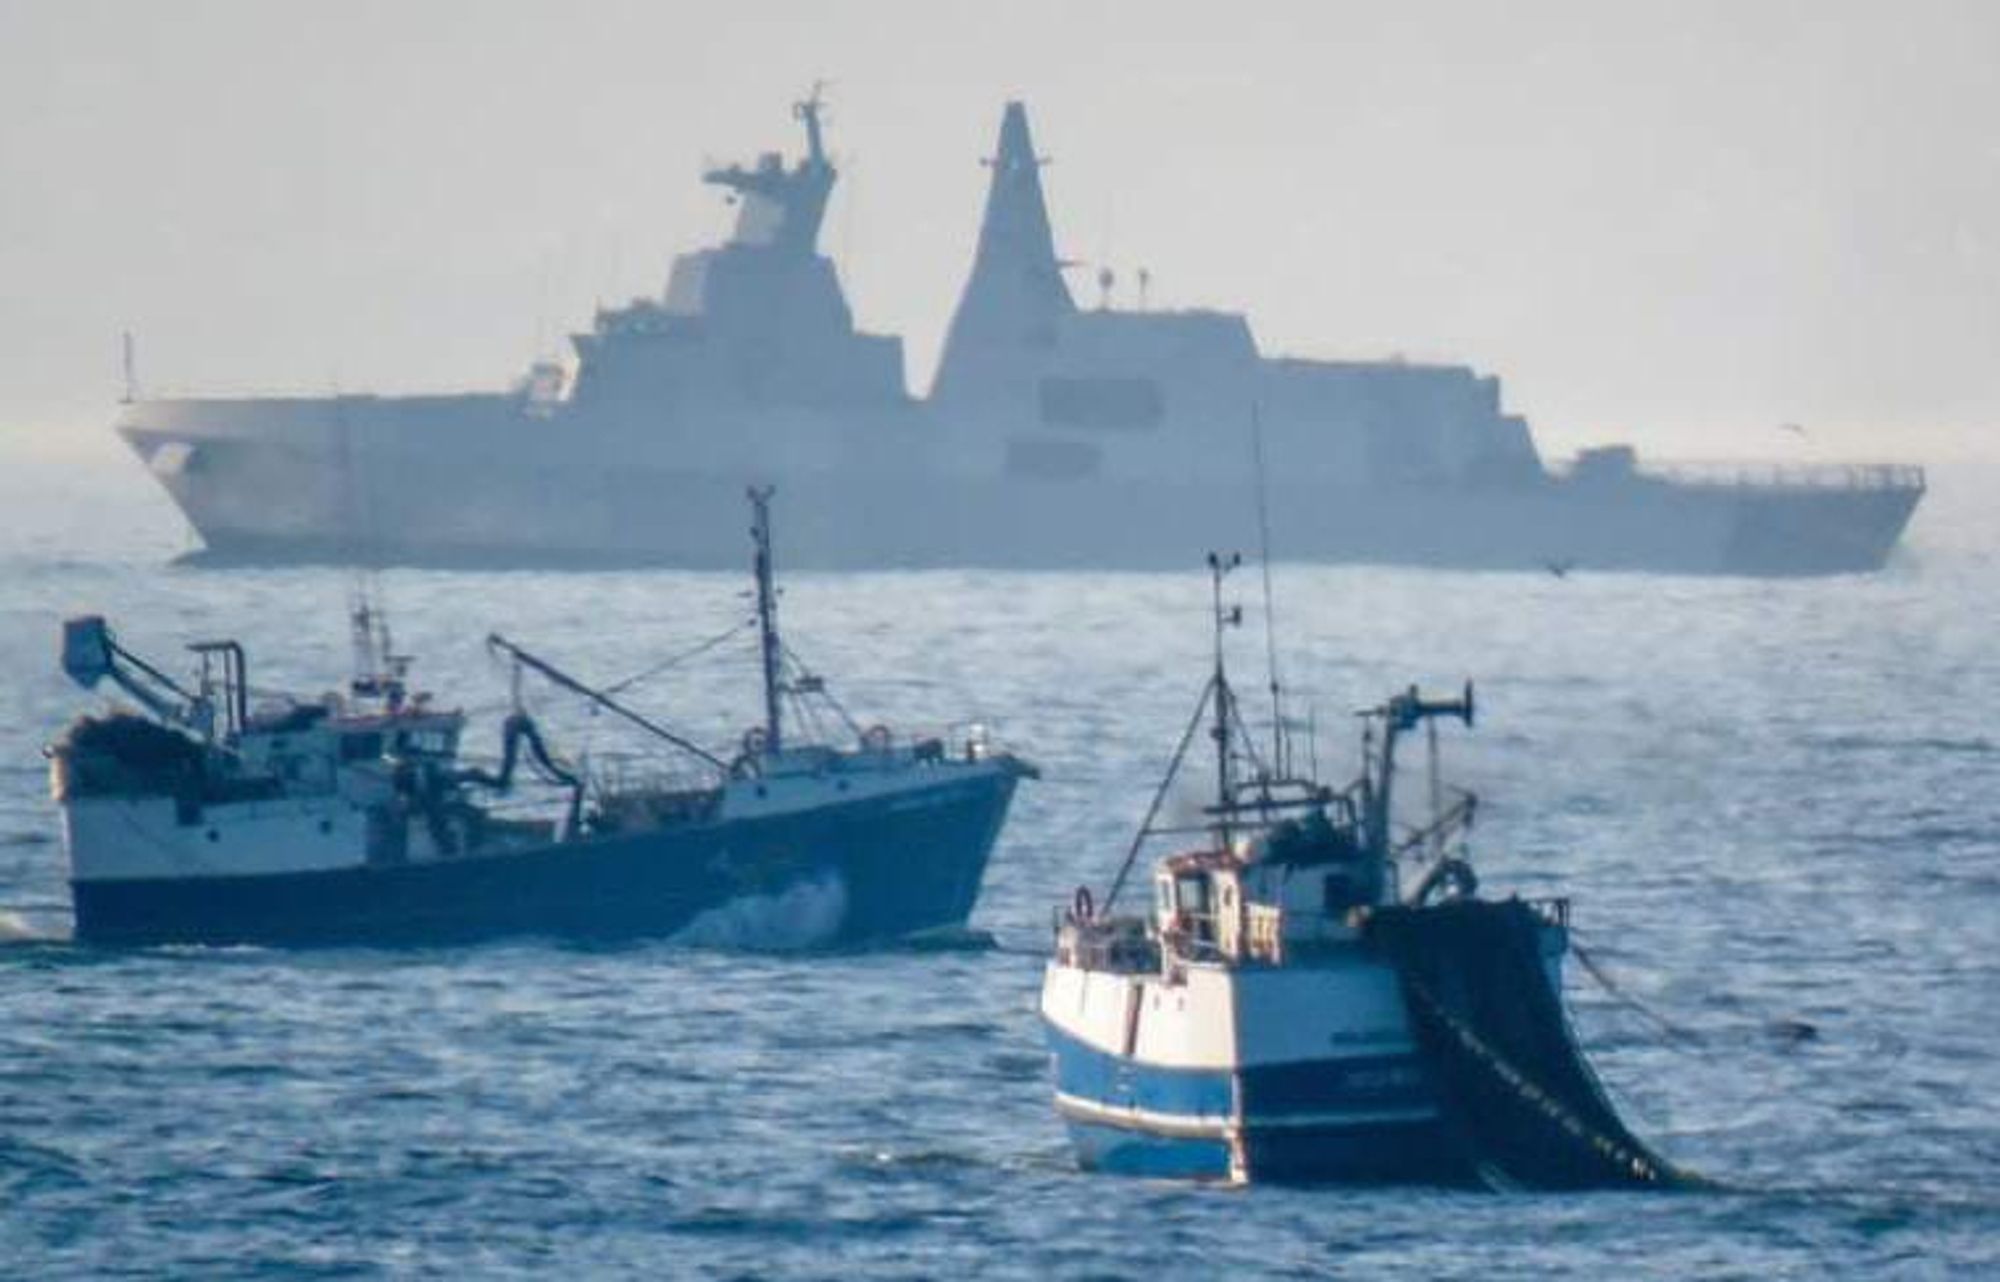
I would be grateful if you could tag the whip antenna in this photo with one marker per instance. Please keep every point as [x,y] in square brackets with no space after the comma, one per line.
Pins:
[1279,756]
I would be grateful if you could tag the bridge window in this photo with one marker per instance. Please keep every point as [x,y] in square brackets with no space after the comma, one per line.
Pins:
[1118,404]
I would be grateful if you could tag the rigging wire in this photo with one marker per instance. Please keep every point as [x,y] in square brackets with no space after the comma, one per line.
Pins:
[1677,1034]
[803,675]
[1278,741]
[1159,795]
[684,656]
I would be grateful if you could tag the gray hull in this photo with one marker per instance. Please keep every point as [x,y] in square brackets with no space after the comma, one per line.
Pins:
[255,499]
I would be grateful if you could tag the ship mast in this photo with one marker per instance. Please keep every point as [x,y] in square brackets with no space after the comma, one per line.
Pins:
[808,113]
[782,207]
[767,615]
[1219,567]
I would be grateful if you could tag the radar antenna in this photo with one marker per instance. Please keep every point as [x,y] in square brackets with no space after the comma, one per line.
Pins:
[782,207]
[808,111]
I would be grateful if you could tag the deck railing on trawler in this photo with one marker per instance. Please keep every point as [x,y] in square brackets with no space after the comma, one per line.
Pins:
[614,773]
[1263,933]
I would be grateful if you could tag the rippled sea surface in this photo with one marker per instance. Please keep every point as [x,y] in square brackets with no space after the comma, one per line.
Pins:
[1773,804]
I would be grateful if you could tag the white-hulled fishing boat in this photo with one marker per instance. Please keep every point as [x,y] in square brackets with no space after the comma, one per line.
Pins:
[1315,994]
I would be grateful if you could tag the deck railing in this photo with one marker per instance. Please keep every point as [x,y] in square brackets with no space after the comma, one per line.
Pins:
[1123,942]
[1269,934]
[1791,476]
[1767,476]
[629,773]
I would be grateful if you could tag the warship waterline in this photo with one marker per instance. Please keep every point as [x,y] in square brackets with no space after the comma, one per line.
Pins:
[1054,436]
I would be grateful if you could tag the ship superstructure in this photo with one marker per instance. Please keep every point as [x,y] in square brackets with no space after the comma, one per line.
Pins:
[759,320]
[1054,436]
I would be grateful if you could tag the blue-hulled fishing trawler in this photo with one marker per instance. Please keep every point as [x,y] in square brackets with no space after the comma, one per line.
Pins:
[1319,994]
[351,818]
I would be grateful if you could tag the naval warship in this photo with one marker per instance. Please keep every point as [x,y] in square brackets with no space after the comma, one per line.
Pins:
[1054,436]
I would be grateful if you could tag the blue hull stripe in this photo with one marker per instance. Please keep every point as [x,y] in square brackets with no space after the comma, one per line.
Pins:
[1121,1151]
[1086,1073]
[1359,1119]
[905,868]
[1272,1094]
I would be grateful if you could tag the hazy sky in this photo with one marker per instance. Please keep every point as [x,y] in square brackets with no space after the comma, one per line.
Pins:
[1686,222]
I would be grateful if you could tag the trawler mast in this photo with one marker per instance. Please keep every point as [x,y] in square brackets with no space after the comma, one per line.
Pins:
[769,647]
[1226,617]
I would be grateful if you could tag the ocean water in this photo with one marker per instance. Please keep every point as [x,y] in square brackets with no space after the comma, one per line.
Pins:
[1773,805]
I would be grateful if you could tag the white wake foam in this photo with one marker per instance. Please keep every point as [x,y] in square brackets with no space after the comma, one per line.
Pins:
[17,929]
[806,914]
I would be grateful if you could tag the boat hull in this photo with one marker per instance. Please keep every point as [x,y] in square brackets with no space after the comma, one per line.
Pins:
[486,495]
[1264,1074]
[841,875]
[1331,1121]
[1435,1050]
